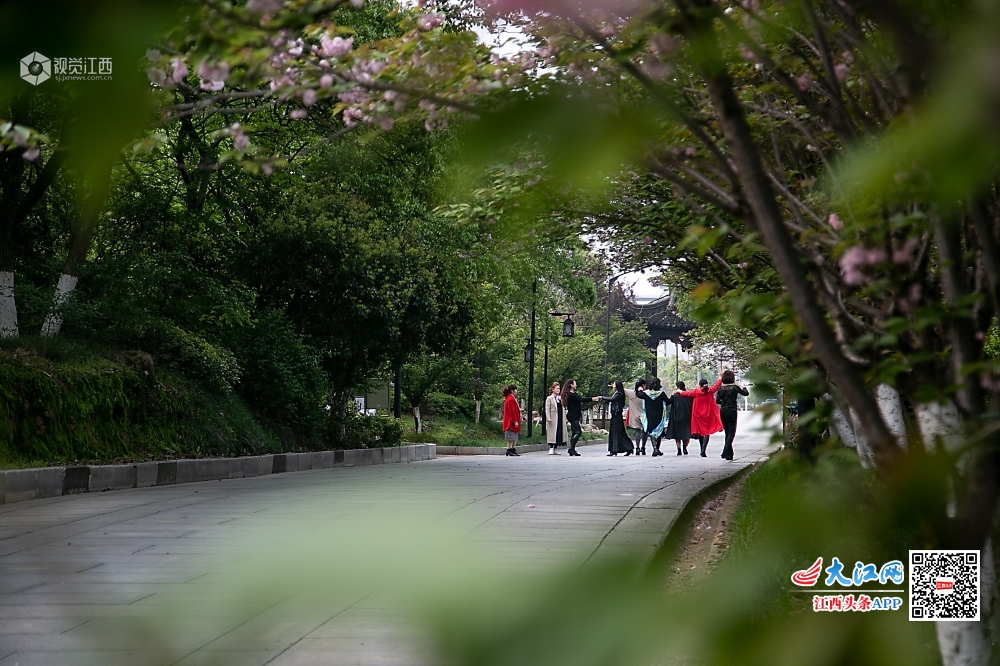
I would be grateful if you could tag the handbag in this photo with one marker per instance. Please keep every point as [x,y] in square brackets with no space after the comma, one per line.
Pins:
[625,417]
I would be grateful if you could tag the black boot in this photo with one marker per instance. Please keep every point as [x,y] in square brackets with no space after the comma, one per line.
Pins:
[704,445]
[685,448]
[514,452]
[679,450]
[508,453]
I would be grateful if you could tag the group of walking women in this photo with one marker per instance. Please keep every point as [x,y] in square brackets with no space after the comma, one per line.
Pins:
[698,413]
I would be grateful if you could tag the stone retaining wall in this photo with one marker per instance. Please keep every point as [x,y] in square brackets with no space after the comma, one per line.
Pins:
[17,485]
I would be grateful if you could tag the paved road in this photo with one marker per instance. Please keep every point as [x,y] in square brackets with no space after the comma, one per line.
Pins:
[240,571]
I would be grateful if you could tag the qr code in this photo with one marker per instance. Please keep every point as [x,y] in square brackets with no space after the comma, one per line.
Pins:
[944,585]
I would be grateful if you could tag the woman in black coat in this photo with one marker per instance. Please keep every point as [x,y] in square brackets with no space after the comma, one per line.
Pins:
[679,426]
[728,401]
[618,439]
[574,412]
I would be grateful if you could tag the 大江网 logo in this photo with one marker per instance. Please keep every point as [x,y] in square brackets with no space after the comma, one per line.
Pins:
[890,573]
[36,68]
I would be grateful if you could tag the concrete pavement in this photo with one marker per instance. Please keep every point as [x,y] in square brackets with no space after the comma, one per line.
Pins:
[139,576]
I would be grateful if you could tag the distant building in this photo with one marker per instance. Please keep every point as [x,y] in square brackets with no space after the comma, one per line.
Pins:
[661,320]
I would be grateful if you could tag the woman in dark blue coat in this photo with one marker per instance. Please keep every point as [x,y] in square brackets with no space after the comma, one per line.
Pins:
[618,439]
[653,413]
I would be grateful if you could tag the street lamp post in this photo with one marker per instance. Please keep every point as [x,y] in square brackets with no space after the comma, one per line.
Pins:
[531,361]
[567,327]
[607,338]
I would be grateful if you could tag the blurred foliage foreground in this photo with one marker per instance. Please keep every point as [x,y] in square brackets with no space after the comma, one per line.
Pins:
[482,609]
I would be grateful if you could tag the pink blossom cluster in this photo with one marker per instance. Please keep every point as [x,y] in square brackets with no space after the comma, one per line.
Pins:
[177,71]
[909,301]
[336,47]
[213,76]
[430,21]
[855,259]
[265,7]
[904,253]
[240,138]
[991,381]
[664,45]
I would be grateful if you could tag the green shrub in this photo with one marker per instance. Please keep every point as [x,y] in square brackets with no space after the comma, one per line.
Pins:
[214,366]
[365,432]
[444,404]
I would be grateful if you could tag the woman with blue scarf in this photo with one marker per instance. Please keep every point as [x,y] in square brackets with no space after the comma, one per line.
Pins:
[654,418]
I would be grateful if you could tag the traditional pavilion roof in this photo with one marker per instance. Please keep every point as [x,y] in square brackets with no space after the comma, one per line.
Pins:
[661,320]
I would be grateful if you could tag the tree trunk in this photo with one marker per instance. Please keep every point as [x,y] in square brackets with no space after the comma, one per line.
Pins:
[939,420]
[8,307]
[79,245]
[891,408]
[960,643]
[842,426]
[766,215]
[54,319]
[417,424]
[963,643]
[479,408]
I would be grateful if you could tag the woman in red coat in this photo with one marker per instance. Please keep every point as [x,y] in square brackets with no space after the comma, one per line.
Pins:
[704,412]
[511,419]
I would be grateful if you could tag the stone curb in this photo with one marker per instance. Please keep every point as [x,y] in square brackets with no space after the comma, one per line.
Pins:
[18,485]
[500,450]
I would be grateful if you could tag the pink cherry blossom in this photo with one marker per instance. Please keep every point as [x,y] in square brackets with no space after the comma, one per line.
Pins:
[835,222]
[990,382]
[429,21]
[217,72]
[905,253]
[854,259]
[31,154]
[909,302]
[213,77]
[240,138]
[267,168]
[664,45]
[336,47]
[180,70]
[841,71]
[803,82]
[325,81]
[299,114]
[265,6]
[386,123]
[309,97]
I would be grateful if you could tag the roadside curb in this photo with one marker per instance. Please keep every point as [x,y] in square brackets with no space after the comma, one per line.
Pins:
[500,450]
[18,485]
[673,539]
[651,531]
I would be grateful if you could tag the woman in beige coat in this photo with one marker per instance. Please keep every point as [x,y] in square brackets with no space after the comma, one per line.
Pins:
[555,420]
[634,420]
